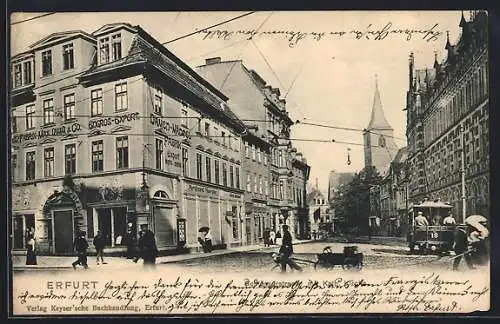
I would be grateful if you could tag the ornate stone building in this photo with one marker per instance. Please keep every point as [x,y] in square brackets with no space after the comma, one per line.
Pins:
[447,115]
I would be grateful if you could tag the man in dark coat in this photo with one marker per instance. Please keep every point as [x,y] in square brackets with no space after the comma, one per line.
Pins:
[461,247]
[80,245]
[147,246]
[99,246]
[286,251]
[130,241]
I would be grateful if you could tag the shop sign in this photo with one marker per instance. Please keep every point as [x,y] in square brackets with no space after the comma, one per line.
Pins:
[113,120]
[202,191]
[61,130]
[169,127]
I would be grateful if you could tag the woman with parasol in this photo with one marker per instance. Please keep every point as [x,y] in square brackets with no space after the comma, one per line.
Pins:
[470,242]
[205,239]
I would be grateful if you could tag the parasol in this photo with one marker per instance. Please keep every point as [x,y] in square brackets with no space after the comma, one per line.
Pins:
[203,229]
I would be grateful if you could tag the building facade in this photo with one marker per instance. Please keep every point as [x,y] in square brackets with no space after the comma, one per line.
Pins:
[319,214]
[263,111]
[448,123]
[111,129]
[378,138]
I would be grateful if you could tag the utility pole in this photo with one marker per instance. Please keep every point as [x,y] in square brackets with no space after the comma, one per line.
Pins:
[464,197]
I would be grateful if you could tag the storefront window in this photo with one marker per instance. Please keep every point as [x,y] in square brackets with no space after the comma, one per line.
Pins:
[112,222]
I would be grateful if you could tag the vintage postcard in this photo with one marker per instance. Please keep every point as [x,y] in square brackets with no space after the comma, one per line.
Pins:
[266,162]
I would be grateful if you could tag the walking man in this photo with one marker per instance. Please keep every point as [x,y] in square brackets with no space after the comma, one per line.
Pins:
[286,251]
[147,246]
[80,245]
[99,246]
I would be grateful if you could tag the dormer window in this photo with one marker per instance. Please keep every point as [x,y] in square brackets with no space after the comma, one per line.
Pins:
[47,63]
[105,46]
[68,57]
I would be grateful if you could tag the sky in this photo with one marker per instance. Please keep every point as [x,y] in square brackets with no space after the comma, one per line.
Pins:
[330,81]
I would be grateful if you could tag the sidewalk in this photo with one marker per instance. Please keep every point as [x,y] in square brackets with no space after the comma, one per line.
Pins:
[64,262]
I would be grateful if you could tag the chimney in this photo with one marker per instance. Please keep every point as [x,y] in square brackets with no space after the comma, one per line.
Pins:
[212,60]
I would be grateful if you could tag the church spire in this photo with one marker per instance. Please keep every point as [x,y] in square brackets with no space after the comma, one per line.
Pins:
[377,120]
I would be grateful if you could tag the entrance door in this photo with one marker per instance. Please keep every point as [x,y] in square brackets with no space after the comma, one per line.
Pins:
[248,230]
[104,224]
[164,226]
[63,231]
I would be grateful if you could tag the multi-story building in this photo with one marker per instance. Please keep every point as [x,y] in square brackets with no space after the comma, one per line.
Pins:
[392,198]
[300,171]
[259,105]
[448,121]
[111,129]
[319,214]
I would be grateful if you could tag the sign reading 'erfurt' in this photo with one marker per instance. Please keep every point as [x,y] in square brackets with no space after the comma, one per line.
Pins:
[170,128]
[112,120]
[47,132]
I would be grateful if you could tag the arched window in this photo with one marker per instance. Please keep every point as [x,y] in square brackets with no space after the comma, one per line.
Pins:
[160,194]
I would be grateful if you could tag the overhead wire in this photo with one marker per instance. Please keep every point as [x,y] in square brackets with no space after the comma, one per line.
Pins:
[32,18]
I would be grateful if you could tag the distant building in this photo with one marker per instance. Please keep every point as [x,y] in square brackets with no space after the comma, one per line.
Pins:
[447,114]
[337,179]
[379,145]
[319,215]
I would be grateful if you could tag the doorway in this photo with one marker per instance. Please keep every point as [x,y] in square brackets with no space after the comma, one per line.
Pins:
[63,229]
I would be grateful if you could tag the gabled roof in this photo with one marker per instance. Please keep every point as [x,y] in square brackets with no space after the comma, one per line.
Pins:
[314,194]
[22,56]
[114,26]
[378,120]
[60,37]
[402,155]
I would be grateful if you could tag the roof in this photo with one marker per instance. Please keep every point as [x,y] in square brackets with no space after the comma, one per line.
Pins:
[314,194]
[61,36]
[401,155]
[110,27]
[378,120]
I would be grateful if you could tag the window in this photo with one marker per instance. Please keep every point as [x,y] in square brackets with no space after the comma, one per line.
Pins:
[68,59]
[253,152]
[18,75]
[97,156]
[117,46]
[237,176]
[198,166]
[261,185]
[70,158]
[247,150]
[215,134]
[48,111]
[96,102]
[231,176]
[14,124]
[266,187]
[217,172]
[223,136]
[255,183]
[208,169]
[158,104]
[122,152]
[185,161]
[199,124]
[159,154]
[229,141]
[224,174]
[69,106]
[14,166]
[235,223]
[30,166]
[184,117]
[121,96]
[259,158]
[47,63]
[48,162]
[104,50]
[265,158]
[249,182]
[30,113]
[27,73]
[207,129]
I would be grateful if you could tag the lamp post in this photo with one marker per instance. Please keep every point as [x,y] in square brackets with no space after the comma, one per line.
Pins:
[462,171]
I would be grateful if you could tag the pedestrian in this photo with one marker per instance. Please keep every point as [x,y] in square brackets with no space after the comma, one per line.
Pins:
[421,221]
[147,247]
[286,251]
[30,247]
[461,248]
[130,241]
[266,237]
[206,240]
[99,246]
[449,220]
[272,237]
[80,245]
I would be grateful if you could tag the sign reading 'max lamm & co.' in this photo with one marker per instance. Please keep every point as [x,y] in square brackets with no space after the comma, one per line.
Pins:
[47,132]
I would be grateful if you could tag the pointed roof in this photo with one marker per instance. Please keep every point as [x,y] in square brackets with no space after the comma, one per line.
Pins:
[377,120]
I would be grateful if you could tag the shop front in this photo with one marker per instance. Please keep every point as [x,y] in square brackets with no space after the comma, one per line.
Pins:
[258,221]
[215,208]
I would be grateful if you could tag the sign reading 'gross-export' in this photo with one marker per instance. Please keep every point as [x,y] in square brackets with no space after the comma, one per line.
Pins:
[112,120]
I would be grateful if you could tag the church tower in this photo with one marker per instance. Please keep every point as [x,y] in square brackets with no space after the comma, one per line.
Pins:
[379,144]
